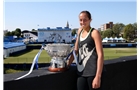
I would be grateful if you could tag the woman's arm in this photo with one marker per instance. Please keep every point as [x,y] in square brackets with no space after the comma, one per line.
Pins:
[99,48]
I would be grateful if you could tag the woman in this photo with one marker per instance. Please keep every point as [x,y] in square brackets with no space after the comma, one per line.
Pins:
[89,48]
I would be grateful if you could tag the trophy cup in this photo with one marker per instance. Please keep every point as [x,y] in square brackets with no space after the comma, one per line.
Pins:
[58,52]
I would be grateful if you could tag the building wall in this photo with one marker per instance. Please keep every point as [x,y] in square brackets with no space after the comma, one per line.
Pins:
[27,35]
[54,35]
[13,50]
[102,27]
[107,26]
[5,53]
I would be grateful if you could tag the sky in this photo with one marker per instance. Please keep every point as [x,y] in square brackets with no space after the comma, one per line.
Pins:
[34,15]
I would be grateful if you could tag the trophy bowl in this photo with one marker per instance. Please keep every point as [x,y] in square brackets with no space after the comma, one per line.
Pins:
[58,52]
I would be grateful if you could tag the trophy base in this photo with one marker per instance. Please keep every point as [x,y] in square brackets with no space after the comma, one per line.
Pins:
[57,69]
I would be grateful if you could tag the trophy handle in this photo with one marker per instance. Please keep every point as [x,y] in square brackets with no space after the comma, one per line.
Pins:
[46,47]
[75,57]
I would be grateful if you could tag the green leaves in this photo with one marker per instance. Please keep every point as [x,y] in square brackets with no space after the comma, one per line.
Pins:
[129,32]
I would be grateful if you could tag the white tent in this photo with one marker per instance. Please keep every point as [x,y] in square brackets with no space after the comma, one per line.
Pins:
[121,39]
[111,39]
[105,39]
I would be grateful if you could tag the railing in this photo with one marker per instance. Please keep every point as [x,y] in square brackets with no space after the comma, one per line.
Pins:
[121,74]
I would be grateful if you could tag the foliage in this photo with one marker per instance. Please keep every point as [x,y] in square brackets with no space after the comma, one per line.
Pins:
[117,28]
[34,30]
[107,33]
[129,32]
[18,32]
[74,32]
[8,33]
[135,27]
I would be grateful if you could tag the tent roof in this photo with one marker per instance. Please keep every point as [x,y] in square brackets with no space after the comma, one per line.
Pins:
[12,44]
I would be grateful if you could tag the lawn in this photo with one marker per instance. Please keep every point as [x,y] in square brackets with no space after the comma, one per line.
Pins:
[109,53]
[28,57]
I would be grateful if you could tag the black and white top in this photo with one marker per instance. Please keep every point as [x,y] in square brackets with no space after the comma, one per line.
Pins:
[87,57]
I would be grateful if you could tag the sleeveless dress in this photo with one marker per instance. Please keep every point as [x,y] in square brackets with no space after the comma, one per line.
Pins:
[87,56]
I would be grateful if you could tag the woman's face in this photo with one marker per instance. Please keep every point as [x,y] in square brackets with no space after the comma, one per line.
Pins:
[84,20]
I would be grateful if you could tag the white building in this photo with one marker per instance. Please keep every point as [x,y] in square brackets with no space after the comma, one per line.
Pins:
[12,47]
[57,34]
[4,32]
[30,35]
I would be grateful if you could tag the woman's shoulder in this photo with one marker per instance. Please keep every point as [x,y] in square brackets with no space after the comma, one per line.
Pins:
[95,32]
[93,29]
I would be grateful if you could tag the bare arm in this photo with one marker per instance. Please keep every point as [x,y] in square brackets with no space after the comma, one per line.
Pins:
[99,48]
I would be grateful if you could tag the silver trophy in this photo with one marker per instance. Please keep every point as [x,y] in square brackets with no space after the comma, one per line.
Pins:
[58,52]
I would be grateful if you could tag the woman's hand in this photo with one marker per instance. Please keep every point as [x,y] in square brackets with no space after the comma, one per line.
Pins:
[96,82]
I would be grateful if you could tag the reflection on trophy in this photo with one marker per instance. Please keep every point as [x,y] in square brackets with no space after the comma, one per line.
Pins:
[58,52]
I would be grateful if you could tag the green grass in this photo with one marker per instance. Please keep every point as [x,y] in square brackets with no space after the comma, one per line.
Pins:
[109,53]
[28,57]
[8,71]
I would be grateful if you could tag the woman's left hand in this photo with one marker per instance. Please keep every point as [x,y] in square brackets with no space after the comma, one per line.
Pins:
[96,82]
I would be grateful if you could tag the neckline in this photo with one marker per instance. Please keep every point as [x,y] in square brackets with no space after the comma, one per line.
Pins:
[81,38]
[87,31]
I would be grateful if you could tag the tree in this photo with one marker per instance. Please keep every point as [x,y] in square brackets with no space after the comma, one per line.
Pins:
[34,30]
[108,33]
[129,32]
[8,33]
[13,33]
[18,32]
[135,27]
[74,32]
[118,28]
[102,32]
